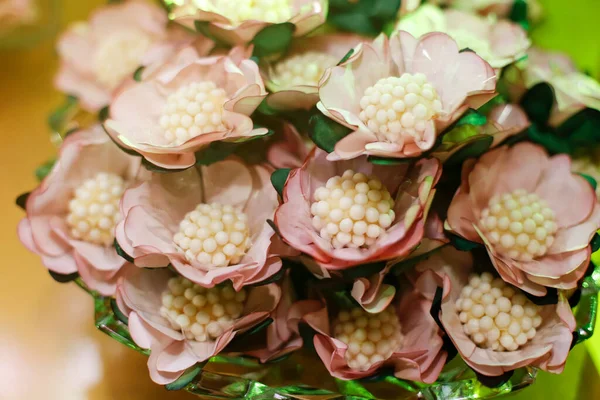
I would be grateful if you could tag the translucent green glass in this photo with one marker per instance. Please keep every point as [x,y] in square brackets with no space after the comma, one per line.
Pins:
[302,375]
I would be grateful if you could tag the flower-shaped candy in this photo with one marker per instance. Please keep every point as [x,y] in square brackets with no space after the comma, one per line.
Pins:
[71,216]
[494,327]
[209,223]
[186,104]
[573,89]
[294,80]
[182,323]
[348,213]
[498,42]
[99,55]
[353,343]
[237,22]
[534,216]
[398,94]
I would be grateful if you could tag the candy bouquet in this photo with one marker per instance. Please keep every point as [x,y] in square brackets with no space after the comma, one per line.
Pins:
[312,199]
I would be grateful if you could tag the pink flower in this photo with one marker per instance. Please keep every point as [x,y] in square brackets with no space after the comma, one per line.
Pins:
[238,22]
[348,213]
[151,300]
[185,105]
[98,56]
[504,121]
[509,332]
[534,216]
[291,150]
[71,216]
[372,93]
[294,80]
[574,90]
[209,223]
[402,335]
[498,42]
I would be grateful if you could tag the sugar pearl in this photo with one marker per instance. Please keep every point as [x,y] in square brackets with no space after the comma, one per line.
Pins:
[399,108]
[341,216]
[213,234]
[514,229]
[197,319]
[192,110]
[94,209]
[505,324]
[370,338]
[312,66]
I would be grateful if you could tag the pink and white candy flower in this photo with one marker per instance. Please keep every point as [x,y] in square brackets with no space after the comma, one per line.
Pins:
[498,42]
[348,213]
[294,80]
[290,149]
[535,217]
[573,89]
[71,216]
[398,94]
[186,104]
[493,325]
[182,323]
[237,22]
[98,56]
[209,223]
[354,343]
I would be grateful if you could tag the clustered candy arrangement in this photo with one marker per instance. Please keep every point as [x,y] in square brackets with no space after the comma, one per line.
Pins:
[401,195]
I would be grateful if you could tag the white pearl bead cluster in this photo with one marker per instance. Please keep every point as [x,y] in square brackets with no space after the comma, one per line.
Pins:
[400,107]
[519,225]
[303,69]
[214,234]
[193,110]
[352,210]
[119,54]
[94,210]
[201,314]
[370,338]
[274,11]
[495,316]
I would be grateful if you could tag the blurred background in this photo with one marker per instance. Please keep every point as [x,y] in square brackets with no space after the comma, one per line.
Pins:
[49,348]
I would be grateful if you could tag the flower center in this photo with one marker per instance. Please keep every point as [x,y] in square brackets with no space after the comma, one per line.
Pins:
[201,314]
[119,55]
[399,108]
[303,69]
[214,234]
[193,110]
[466,39]
[94,210]
[371,338]
[352,210]
[274,11]
[495,316]
[519,224]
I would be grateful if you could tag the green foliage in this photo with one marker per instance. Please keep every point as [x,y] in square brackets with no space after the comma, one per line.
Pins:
[278,179]
[365,17]
[21,201]
[473,149]
[59,119]
[590,180]
[538,102]
[325,132]
[273,39]
[63,278]
[43,170]
[184,379]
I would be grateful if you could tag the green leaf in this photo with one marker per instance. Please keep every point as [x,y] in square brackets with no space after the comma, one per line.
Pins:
[551,142]
[121,252]
[537,102]
[21,200]
[462,244]
[472,117]
[63,278]
[354,22]
[266,109]
[216,151]
[518,13]
[204,28]
[346,57]
[460,134]
[254,330]
[590,180]
[278,179]
[103,114]
[353,388]
[118,313]
[472,150]
[595,242]
[343,299]
[43,170]
[273,278]
[273,39]
[137,75]
[184,379]
[582,129]
[274,227]
[388,161]
[326,132]
[59,118]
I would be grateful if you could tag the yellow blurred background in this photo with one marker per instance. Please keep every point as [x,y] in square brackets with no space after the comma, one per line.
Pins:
[49,348]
